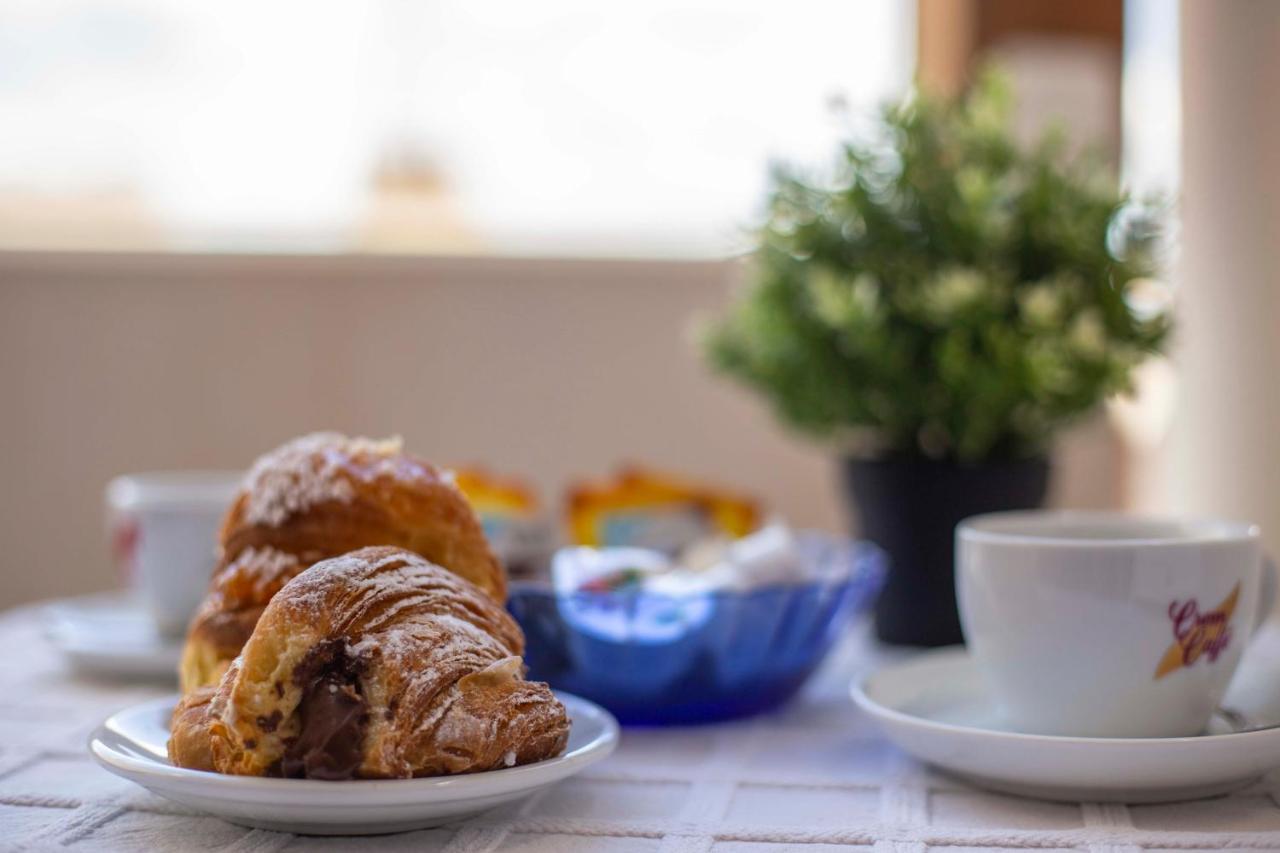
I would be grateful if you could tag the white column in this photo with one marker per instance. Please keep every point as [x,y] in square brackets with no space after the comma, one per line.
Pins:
[1223,452]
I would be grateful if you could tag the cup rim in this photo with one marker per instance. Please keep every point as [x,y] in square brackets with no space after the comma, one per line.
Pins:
[1023,528]
[174,489]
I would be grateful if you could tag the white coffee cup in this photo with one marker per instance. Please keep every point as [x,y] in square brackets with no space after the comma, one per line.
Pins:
[163,527]
[1107,625]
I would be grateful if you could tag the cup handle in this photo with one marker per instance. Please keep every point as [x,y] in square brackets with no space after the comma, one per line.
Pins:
[1266,592]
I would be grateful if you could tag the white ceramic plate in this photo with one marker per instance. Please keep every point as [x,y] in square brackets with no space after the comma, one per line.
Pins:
[132,742]
[934,707]
[111,634]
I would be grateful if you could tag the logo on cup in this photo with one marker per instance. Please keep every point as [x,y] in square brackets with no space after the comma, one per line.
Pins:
[124,546]
[1197,633]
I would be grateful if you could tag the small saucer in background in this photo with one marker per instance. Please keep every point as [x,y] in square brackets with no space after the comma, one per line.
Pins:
[934,707]
[111,634]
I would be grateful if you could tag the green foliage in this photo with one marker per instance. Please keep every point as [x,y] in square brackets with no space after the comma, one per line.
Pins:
[949,293]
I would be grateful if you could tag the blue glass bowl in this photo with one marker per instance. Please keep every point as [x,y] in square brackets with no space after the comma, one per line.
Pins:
[655,659]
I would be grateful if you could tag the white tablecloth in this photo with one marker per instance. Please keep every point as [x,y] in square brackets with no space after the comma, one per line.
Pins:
[816,778]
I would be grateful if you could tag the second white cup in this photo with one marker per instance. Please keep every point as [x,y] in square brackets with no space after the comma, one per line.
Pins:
[1106,625]
[163,528]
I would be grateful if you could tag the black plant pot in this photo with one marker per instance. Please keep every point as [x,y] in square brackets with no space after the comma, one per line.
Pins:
[910,508]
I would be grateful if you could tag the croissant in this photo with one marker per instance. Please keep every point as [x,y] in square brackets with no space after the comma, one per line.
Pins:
[376,664]
[316,497]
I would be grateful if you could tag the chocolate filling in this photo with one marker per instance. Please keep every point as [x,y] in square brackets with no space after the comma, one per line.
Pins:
[332,717]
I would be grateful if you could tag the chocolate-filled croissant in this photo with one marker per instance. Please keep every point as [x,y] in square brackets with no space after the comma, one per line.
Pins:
[316,497]
[375,664]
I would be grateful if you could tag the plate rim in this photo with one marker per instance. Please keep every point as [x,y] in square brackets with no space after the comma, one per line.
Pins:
[862,687]
[355,793]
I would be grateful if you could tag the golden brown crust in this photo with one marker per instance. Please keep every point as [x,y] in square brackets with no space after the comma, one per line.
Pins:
[316,497]
[324,494]
[433,662]
[189,739]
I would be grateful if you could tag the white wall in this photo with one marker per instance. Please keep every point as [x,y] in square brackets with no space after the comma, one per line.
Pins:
[550,369]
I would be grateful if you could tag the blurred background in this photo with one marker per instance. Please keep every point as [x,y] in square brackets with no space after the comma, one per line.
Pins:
[490,227]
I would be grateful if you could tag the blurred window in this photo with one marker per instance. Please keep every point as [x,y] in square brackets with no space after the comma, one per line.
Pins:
[460,126]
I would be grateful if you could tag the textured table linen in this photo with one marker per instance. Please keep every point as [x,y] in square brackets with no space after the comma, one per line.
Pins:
[815,778]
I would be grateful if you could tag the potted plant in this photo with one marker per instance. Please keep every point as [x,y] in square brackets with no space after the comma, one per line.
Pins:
[937,308]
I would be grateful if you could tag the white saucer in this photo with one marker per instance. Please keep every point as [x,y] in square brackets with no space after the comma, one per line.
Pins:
[111,634]
[933,707]
[132,742]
